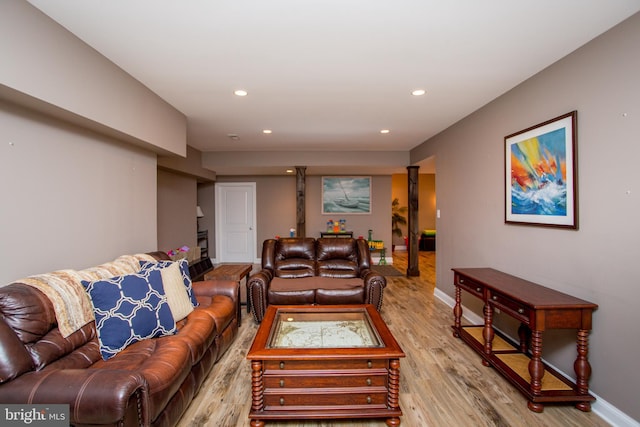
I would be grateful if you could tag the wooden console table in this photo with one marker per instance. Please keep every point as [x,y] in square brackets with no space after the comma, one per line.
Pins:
[537,308]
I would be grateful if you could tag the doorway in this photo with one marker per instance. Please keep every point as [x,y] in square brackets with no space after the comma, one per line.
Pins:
[235,222]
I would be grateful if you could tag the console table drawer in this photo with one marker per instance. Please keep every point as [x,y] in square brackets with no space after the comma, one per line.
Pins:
[513,308]
[320,365]
[296,381]
[305,399]
[470,285]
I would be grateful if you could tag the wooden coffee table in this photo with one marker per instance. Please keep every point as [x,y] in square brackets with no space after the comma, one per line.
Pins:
[235,272]
[321,362]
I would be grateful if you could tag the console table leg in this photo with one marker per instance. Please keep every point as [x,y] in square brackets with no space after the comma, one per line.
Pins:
[256,423]
[583,369]
[393,422]
[457,313]
[487,332]
[536,369]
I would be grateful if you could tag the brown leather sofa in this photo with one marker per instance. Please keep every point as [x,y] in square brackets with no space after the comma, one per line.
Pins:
[149,383]
[303,270]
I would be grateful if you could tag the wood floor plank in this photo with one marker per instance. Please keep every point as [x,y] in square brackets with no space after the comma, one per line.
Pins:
[442,381]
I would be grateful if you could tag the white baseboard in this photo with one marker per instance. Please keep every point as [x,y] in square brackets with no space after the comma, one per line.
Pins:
[376,259]
[604,409]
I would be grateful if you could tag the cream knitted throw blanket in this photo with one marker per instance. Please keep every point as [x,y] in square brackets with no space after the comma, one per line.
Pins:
[70,301]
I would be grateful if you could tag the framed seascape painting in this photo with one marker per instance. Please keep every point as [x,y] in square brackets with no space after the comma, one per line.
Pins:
[346,194]
[541,174]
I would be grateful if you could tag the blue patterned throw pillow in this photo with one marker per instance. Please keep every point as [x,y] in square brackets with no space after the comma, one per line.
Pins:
[184,270]
[129,309]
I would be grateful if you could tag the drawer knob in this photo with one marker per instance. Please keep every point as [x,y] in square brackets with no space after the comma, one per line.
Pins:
[368,399]
[281,383]
[368,381]
[478,289]
[369,364]
[495,298]
[461,280]
[282,401]
[281,365]
[520,310]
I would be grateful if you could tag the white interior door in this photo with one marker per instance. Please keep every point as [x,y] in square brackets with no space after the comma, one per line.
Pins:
[235,222]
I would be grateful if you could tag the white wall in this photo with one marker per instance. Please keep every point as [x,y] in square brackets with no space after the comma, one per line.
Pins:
[597,262]
[70,198]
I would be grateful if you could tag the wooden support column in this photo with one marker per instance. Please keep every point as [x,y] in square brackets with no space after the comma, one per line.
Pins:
[413,268]
[300,200]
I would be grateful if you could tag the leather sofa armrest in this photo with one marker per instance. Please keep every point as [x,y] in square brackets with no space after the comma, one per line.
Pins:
[94,396]
[374,284]
[257,289]
[211,288]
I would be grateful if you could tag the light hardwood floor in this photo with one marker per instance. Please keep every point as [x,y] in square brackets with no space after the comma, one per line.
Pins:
[442,381]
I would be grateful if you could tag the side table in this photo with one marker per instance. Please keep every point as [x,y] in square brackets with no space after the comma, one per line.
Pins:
[235,272]
[383,251]
[336,234]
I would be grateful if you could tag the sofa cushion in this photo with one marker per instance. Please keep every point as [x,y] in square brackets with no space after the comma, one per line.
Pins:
[330,248]
[129,309]
[184,271]
[279,284]
[293,297]
[340,296]
[295,268]
[295,257]
[174,288]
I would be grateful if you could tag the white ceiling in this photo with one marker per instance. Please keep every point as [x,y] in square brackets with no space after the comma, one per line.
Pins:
[330,74]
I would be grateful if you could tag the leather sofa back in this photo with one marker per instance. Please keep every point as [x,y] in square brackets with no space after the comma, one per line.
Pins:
[29,330]
[295,257]
[337,257]
[299,257]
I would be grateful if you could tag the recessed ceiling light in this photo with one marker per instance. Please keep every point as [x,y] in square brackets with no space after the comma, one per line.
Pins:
[385,131]
[240,92]
[267,131]
[418,92]
[289,170]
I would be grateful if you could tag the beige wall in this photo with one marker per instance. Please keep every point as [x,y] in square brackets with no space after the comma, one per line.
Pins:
[597,262]
[54,71]
[206,200]
[379,220]
[70,198]
[276,208]
[177,200]
[426,201]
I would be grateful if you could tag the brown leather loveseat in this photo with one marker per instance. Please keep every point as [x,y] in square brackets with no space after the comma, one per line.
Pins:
[303,270]
[149,383]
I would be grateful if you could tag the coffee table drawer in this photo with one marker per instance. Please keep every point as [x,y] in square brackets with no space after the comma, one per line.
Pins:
[305,399]
[294,381]
[323,365]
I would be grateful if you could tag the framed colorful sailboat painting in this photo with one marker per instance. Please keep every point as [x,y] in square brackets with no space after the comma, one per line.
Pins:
[346,194]
[541,174]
